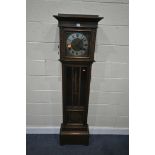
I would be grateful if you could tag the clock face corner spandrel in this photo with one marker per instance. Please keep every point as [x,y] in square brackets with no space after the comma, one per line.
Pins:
[77,46]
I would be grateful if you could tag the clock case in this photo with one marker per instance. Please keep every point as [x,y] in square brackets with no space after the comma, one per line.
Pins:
[76,76]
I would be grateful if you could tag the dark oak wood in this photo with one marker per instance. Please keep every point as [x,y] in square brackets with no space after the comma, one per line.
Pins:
[76,76]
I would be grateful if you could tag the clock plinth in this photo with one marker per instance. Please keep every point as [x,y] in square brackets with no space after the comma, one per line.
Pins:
[74,134]
[77,45]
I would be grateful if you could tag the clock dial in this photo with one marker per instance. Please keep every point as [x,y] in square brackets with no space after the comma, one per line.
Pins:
[77,44]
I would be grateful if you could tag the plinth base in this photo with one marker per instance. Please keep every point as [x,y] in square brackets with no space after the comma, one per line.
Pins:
[74,134]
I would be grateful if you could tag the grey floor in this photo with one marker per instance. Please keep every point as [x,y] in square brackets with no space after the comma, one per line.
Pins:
[47,144]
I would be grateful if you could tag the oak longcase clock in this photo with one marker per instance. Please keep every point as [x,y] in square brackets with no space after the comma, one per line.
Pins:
[77,45]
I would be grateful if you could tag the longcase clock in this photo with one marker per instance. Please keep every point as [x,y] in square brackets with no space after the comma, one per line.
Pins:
[77,45]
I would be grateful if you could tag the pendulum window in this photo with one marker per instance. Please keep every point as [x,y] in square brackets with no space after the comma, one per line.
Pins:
[75,80]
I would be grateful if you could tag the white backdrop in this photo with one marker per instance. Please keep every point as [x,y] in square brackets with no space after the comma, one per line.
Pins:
[109,94]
